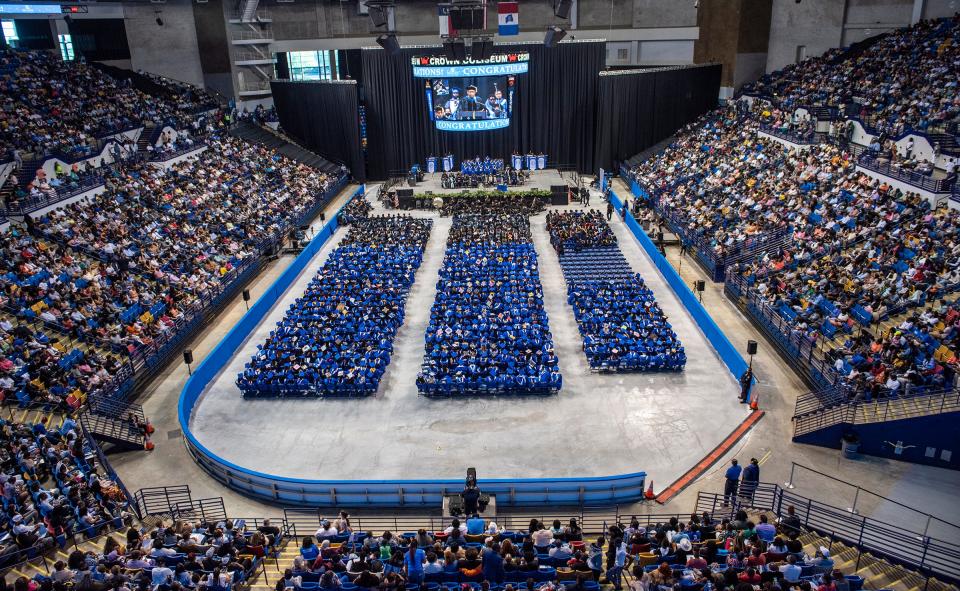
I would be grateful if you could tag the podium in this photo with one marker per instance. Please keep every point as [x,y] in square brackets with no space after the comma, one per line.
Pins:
[453,506]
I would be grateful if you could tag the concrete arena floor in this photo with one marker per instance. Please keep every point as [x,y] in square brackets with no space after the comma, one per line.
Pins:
[933,489]
[598,425]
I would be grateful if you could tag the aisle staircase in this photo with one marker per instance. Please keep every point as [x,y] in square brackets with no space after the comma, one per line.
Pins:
[258,135]
[148,136]
[43,565]
[113,434]
[28,172]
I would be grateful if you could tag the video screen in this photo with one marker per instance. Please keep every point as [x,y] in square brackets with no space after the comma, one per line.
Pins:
[468,94]
[470,104]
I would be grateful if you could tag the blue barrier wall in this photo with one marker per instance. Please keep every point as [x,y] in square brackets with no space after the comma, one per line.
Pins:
[728,353]
[605,490]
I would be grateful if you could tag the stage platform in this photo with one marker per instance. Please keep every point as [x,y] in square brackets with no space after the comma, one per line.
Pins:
[539,179]
[599,425]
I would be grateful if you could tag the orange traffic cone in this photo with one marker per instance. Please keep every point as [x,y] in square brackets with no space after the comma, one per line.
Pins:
[148,428]
[148,445]
[755,403]
[649,494]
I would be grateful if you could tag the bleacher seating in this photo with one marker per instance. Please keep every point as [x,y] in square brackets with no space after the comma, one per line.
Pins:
[129,268]
[337,338]
[904,81]
[858,251]
[488,330]
[52,490]
[56,106]
[622,327]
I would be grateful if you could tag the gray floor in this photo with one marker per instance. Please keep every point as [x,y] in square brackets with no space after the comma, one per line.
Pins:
[931,489]
[597,425]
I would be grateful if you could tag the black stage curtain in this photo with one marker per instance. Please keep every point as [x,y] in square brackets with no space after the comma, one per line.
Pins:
[553,113]
[636,110]
[325,117]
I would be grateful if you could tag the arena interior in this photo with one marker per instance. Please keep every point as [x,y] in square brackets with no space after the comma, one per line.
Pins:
[478,295]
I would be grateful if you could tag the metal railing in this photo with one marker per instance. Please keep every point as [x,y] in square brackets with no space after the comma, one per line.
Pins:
[902,513]
[167,155]
[894,543]
[861,412]
[31,204]
[916,179]
[804,139]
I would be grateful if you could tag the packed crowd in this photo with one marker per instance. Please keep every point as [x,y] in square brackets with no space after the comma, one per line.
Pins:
[578,230]
[857,250]
[188,226]
[920,352]
[494,203]
[906,80]
[51,105]
[622,326]
[488,330]
[125,269]
[729,554]
[337,338]
[209,555]
[50,489]
[357,209]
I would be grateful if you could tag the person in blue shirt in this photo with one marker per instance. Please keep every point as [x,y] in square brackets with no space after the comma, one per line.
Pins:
[309,551]
[732,483]
[492,564]
[751,478]
[413,563]
[476,525]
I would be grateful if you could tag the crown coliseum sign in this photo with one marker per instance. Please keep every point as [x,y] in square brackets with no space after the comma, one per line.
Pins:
[501,64]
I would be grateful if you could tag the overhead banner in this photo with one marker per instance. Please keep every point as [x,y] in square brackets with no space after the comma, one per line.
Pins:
[505,64]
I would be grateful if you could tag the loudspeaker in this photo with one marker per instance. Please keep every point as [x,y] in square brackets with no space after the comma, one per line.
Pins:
[553,36]
[751,347]
[454,49]
[481,49]
[559,195]
[188,356]
[401,193]
[467,18]
[378,15]
[389,43]
[246,295]
[701,285]
[563,9]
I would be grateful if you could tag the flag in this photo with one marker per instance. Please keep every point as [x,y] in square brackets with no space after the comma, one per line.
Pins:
[508,18]
[446,24]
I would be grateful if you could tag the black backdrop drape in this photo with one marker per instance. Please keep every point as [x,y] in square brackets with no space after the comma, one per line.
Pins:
[325,117]
[635,110]
[553,113]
